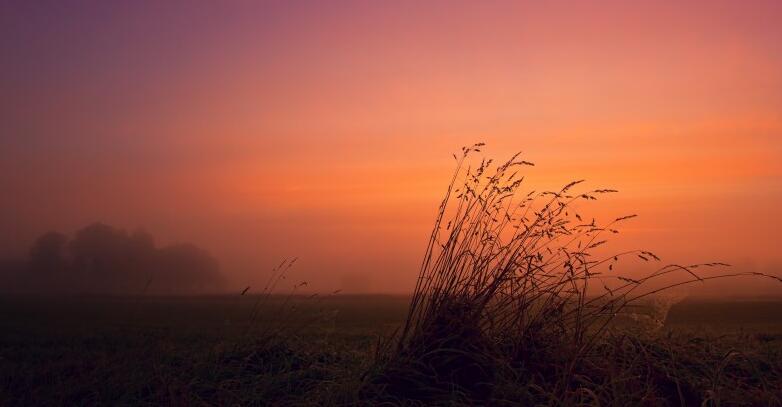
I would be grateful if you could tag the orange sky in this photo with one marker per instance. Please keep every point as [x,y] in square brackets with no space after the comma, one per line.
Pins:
[262,130]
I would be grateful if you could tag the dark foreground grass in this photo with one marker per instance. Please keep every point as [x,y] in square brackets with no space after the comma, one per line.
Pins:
[690,363]
[181,351]
[186,351]
[517,301]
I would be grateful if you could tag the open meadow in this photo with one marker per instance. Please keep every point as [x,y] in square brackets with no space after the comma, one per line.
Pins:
[206,351]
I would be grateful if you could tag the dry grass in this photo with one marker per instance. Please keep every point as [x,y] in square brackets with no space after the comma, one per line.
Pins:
[512,285]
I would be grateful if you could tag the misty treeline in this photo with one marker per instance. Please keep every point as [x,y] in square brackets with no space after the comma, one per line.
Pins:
[102,259]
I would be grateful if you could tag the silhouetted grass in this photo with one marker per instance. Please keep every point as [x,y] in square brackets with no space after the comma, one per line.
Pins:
[513,290]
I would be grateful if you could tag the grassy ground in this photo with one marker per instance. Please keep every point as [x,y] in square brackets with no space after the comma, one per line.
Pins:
[203,351]
[186,351]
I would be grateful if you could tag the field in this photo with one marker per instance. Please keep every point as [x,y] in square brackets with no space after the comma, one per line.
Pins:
[205,350]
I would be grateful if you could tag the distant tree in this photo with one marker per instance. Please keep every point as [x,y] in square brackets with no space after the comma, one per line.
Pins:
[12,273]
[142,242]
[47,255]
[101,258]
[184,267]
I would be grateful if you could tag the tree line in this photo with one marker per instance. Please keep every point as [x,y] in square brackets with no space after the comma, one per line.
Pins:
[103,259]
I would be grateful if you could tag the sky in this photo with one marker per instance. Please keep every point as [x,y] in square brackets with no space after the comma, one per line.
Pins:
[324,130]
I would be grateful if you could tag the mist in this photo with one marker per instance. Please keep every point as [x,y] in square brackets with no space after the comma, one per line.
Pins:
[101,259]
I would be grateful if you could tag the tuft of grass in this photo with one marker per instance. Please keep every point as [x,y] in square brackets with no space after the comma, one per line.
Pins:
[513,284]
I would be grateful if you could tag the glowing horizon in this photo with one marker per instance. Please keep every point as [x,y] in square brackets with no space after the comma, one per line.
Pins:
[278,129]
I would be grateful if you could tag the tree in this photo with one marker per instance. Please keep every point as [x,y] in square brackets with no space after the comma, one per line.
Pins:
[47,255]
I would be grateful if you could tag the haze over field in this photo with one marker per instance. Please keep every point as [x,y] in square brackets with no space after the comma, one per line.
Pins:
[265,130]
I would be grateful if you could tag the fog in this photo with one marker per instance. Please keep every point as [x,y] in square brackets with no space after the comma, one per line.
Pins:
[261,131]
[100,259]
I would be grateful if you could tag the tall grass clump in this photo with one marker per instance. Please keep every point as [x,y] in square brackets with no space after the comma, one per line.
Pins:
[514,288]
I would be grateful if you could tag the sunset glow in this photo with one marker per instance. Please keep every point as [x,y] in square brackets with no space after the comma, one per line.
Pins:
[266,130]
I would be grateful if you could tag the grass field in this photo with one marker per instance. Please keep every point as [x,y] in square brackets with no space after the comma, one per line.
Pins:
[198,350]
